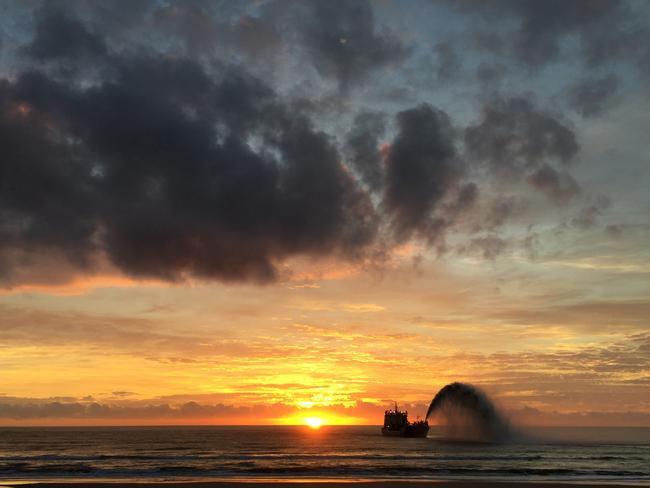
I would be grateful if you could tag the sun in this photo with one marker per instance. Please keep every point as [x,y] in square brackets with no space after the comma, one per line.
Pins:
[313,422]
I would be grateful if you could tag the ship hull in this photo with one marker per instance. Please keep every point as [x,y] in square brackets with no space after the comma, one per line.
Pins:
[416,431]
[410,431]
[392,433]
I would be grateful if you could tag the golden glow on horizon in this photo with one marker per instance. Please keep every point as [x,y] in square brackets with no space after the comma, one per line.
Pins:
[191,353]
[79,286]
[314,422]
[321,417]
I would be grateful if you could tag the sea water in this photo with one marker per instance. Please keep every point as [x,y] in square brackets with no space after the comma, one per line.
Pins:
[331,452]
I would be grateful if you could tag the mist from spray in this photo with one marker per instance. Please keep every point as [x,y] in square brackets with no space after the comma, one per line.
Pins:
[469,415]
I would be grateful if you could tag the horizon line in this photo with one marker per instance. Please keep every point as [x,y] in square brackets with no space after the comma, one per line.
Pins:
[5,426]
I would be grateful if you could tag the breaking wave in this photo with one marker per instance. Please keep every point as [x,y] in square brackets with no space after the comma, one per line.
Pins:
[469,415]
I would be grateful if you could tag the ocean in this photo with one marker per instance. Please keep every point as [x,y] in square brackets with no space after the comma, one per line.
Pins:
[331,452]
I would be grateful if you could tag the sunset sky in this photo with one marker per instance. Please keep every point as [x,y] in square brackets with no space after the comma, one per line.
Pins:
[258,212]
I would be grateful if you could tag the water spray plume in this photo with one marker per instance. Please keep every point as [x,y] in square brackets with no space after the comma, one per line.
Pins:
[469,414]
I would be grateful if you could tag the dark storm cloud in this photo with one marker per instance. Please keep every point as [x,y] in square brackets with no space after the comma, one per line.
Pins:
[172,173]
[514,139]
[182,165]
[589,96]
[362,145]
[60,35]
[343,41]
[422,171]
[168,170]
[41,203]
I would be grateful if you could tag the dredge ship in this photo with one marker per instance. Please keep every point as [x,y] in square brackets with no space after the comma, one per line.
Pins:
[396,423]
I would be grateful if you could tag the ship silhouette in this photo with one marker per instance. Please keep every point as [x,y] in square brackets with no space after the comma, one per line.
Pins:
[396,423]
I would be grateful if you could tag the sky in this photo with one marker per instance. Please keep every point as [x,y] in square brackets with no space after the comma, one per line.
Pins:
[260,212]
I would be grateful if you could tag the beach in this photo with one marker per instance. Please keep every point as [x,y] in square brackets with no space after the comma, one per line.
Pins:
[325,484]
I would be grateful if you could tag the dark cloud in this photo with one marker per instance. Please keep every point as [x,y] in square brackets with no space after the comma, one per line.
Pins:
[514,139]
[559,186]
[422,171]
[156,167]
[170,171]
[362,145]
[60,35]
[177,163]
[514,135]
[344,43]
[41,204]
[589,96]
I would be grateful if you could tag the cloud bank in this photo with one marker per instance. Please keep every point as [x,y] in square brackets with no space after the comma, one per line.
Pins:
[189,153]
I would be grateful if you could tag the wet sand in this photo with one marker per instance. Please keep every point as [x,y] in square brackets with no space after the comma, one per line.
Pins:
[327,484]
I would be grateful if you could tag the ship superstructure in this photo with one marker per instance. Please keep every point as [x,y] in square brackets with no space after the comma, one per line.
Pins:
[396,423]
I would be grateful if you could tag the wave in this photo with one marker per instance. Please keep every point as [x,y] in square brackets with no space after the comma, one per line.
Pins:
[312,472]
[337,454]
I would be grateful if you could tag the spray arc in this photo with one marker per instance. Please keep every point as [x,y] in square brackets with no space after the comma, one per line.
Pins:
[469,414]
